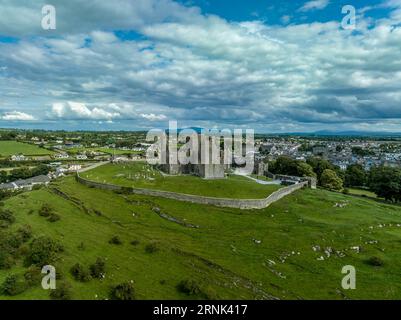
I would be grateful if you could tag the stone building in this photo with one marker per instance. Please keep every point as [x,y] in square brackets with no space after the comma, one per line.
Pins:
[209,170]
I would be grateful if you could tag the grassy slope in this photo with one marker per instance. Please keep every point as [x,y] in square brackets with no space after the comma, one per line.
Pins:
[362,192]
[8,148]
[225,238]
[135,175]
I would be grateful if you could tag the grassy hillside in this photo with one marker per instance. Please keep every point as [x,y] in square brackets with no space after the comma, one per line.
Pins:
[8,148]
[142,175]
[232,254]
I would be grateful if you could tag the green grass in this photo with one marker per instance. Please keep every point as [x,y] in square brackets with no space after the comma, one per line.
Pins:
[264,178]
[221,254]
[8,148]
[141,175]
[362,192]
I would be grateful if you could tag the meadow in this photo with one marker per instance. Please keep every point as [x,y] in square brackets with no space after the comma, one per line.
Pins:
[8,148]
[294,249]
[362,192]
[142,175]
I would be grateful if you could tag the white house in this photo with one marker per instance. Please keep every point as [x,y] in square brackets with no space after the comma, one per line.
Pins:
[61,156]
[74,167]
[81,157]
[19,157]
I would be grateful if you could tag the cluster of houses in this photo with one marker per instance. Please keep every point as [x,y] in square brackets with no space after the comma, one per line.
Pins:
[28,184]
[340,153]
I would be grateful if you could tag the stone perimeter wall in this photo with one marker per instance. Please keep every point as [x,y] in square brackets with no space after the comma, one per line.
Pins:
[220,202]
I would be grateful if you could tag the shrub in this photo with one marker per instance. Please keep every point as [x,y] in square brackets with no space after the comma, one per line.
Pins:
[126,190]
[152,247]
[37,187]
[25,232]
[6,260]
[135,242]
[98,269]
[7,217]
[62,291]
[12,285]
[375,261]
[53,217]
[33,276]
[80,273]
[46,210]
[346,191]
[115,240]
[123,291]
[189,287]
[43,251]
[97,212]
[13,241]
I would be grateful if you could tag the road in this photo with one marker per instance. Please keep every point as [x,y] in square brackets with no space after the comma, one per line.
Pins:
[93,166]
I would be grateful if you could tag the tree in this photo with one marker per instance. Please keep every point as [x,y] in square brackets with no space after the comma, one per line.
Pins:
[287,166]
[305,170]
[284,165]
[330,180]
[319,165]
[355,176]
[42,251]
[386,182]
[358,151]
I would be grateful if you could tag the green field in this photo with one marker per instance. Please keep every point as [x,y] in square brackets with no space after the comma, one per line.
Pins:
[8,148]
[264,178]
[141,175]
[233,254]
[362,192]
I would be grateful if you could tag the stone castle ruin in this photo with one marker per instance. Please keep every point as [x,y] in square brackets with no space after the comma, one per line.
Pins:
[206,159]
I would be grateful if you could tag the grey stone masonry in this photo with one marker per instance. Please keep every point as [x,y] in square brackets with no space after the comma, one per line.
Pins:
[220,202]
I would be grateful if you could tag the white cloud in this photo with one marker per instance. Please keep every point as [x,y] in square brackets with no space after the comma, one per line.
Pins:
[203,68]
[314,5]
[285,19]
[77,110]
[104,37]
[17,116]
[153,117]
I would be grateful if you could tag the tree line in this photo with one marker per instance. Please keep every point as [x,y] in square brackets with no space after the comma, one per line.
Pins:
[384,181]
[23,173]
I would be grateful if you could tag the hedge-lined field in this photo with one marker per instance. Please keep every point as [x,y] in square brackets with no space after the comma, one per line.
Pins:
[8,148]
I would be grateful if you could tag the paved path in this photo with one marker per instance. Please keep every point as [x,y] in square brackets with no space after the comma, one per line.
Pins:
[93,166]
[263,181]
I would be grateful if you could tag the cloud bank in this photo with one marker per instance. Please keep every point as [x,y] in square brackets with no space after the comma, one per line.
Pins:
[150,61]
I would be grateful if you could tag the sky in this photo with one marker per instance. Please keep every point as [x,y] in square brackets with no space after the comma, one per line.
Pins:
[267,65]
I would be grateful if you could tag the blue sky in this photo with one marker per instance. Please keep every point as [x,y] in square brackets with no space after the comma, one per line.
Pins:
[268,65]
[271,11]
